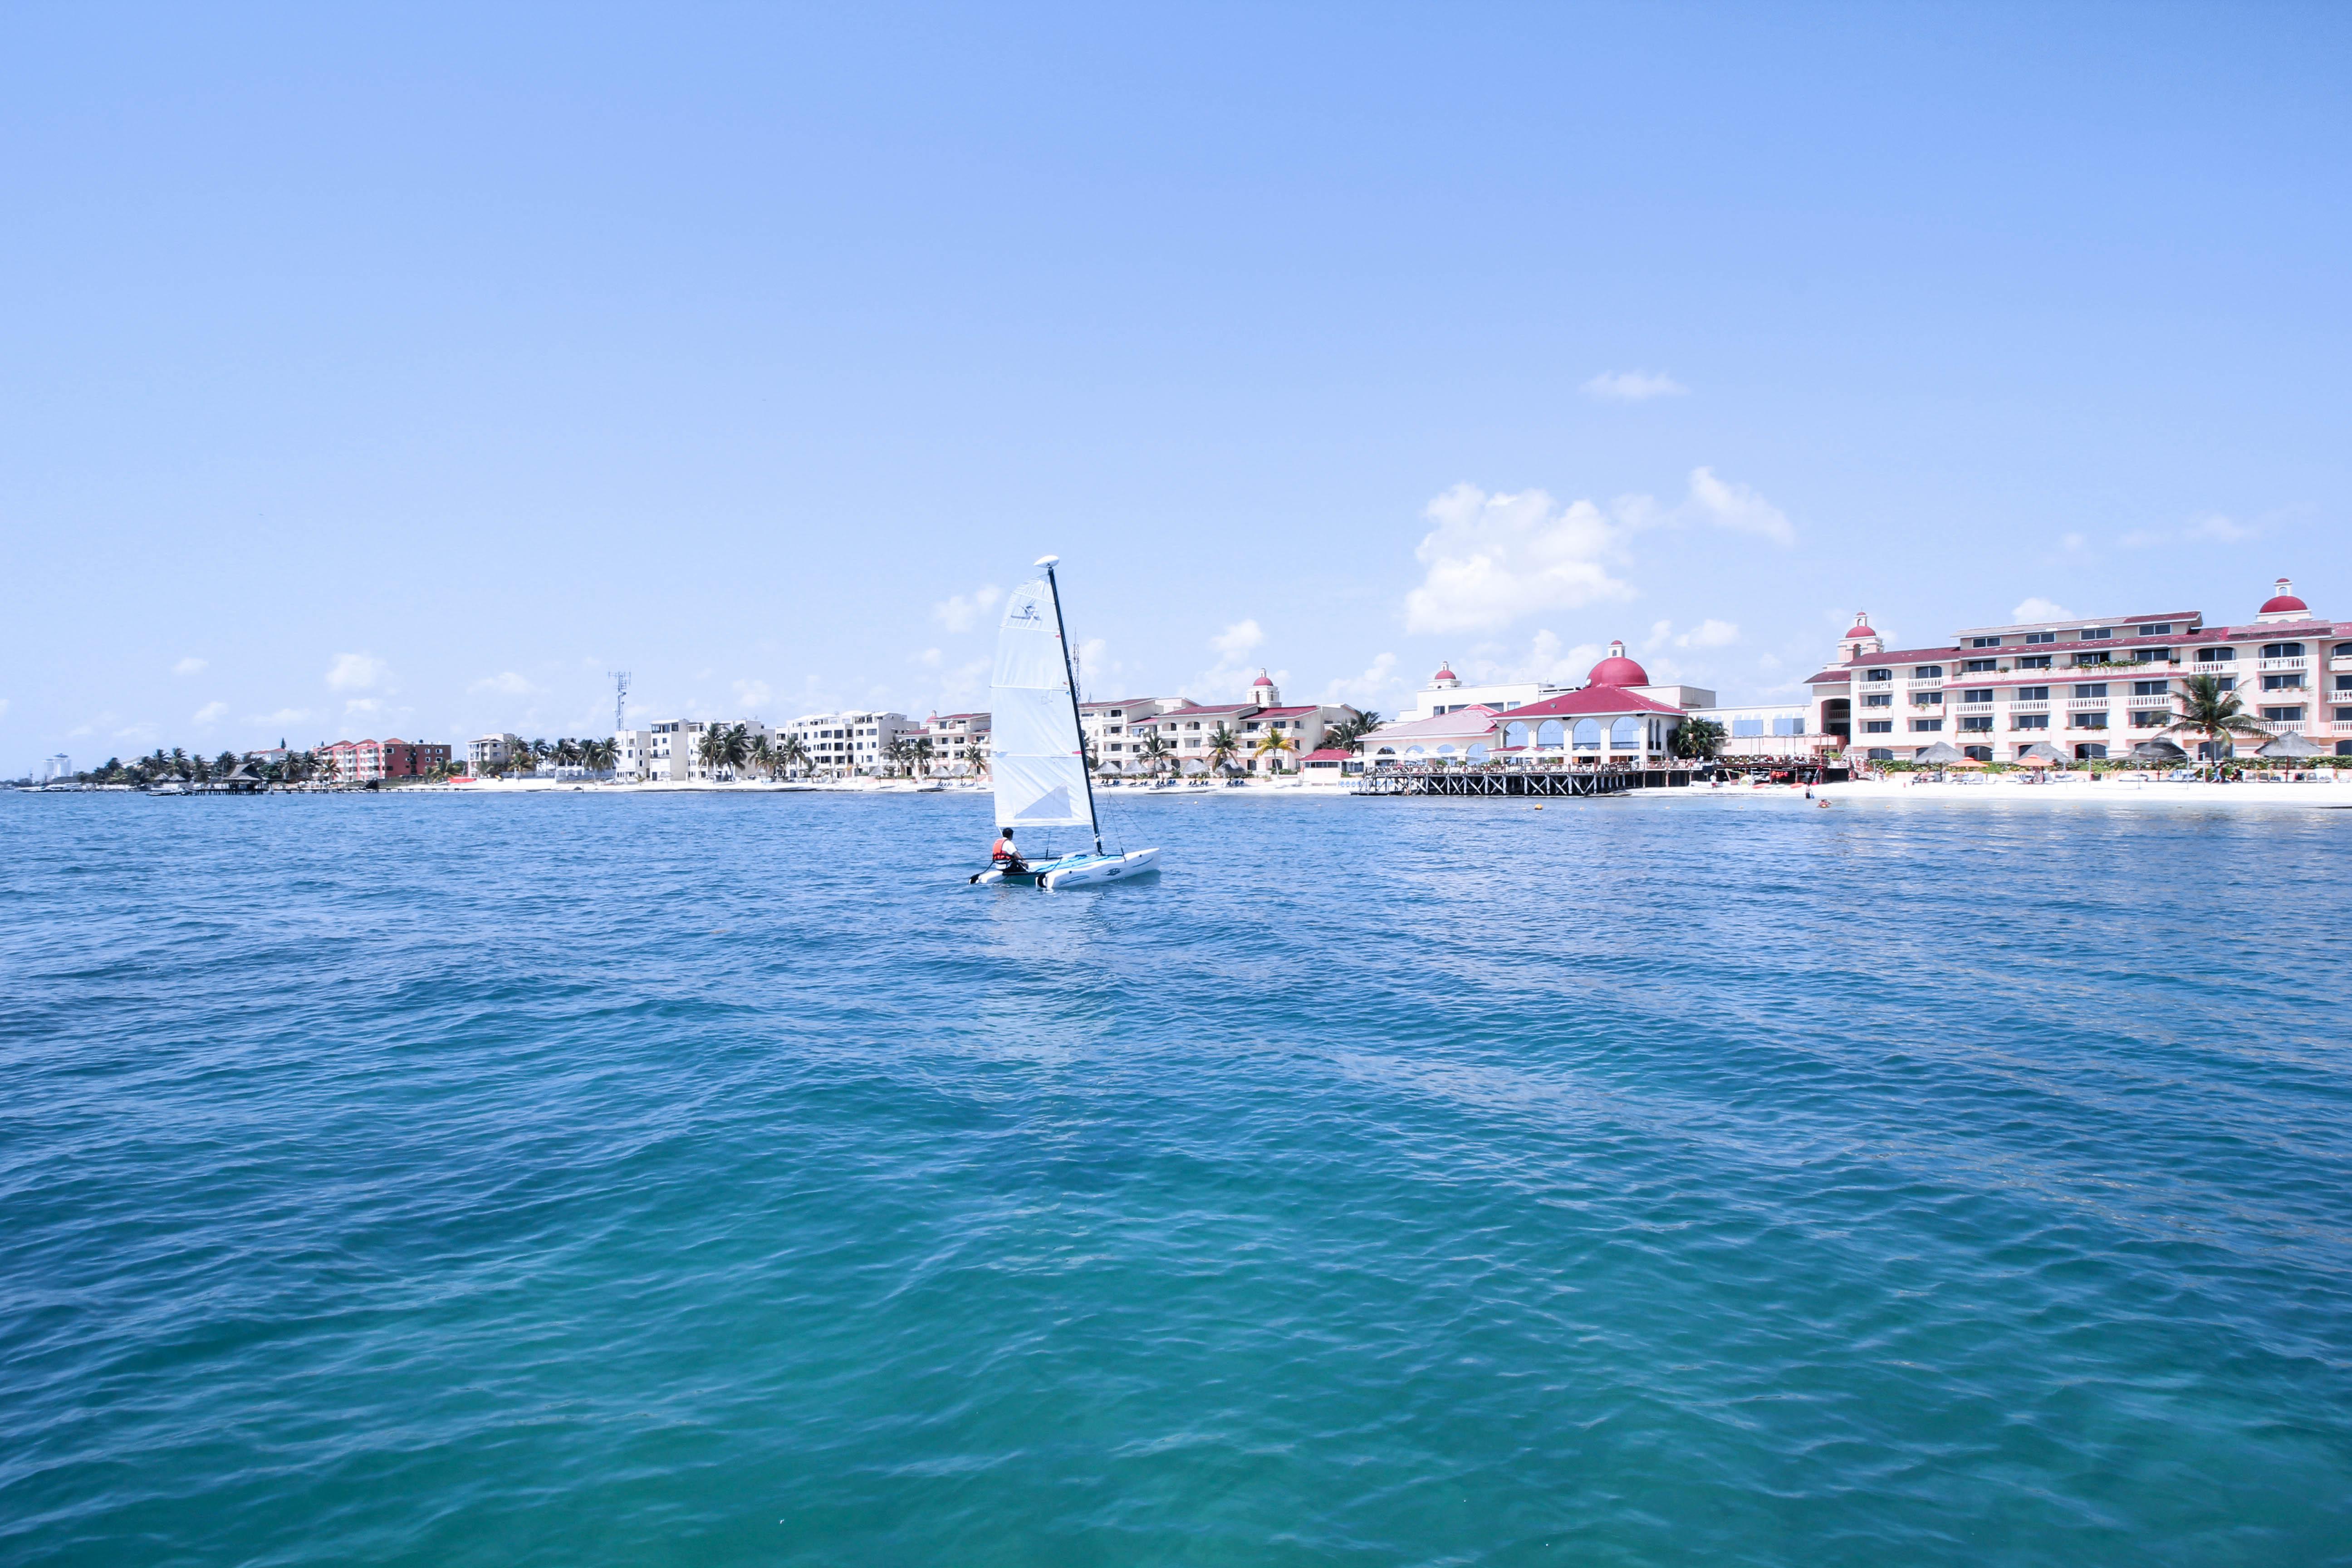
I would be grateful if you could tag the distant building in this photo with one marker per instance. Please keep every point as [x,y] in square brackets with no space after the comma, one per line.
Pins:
[488,753]
[366,762]
[1113,729]
[1185,728]
[957,740]
[2091,688]
[844,744]
[52,768]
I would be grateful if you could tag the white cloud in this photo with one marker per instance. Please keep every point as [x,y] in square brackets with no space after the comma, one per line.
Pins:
[1709,634]
[753,693]
[359,707]
[2039,609]
[1492,559]
[930,658]
[1632,386]
[283,716]
[1236,640]
[2219,529]
[1738,507]
[189,665]
[506,683]
[355,672]
[1379,686]
[209,713]
[961,613]
[1229,680]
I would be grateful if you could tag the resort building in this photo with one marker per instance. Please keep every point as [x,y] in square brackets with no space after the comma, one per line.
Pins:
[2087,688]
[845,744]
[1113,730]
[958,740]
[366,762]
[1187,729]
[487,753]
[1446,694]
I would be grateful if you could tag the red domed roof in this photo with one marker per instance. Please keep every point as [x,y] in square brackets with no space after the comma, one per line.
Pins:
[2282,601]
[1617,670]
[1445,672]
[1860,630]
[1263,680]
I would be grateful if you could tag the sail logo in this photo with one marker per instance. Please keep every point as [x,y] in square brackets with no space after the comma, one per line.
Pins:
[1026,611]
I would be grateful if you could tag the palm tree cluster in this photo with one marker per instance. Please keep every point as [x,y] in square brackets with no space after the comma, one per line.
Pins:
[526,756]
[2210,709]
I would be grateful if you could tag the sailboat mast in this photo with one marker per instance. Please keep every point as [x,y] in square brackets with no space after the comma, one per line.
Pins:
[1085,773]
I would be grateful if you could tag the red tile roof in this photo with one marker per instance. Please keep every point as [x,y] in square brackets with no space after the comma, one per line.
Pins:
[1588,700]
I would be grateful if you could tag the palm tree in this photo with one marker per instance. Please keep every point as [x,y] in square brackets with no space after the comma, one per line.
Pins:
[1349,734]
[179,763]
[1273,743]
[763,757]
[1154,753]
[792,753]
[1223,748]
[712,750]
[919,751]
[975,753]
[2213,711]
[1697,740]
[895,753]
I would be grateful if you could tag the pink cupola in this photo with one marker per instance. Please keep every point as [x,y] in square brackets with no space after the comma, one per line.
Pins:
[1617,670]
[2283,605]
[1861,639]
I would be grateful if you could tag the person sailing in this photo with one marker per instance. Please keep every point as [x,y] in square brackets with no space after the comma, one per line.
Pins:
[1003,856]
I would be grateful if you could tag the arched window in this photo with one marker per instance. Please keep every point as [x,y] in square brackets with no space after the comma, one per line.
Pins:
[1515,735]
[2281,651]
[1551,734]
[1414,752]
[1626,734]
[1385,751]
[1588,734]
[1477,753]
[1445,751]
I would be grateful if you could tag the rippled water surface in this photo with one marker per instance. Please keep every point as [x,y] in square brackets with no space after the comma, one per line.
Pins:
[703,1180]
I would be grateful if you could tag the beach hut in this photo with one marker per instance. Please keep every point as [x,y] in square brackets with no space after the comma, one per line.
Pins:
[1943,753]
[2159,750]
[2042,755]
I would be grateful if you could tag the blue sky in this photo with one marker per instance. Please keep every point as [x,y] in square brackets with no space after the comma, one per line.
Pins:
[368,371]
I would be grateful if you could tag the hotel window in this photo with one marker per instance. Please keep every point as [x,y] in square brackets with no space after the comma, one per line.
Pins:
[2092,633]
[1978,753]
[1747,726]
[2343,715]
[1928,672]
[2098,689]
[1925,726]
[1879,699]
[2038,662]
[1979,667]
[2156,629]
[1874,675]
[2031,694]
[2281,682]
[2226,682]
[1976,722]
[2285,715]
[1984,642]
[1928,699]
[1785,726]
[2150,655]
[1981,696]
[2150,720]
[2148,688]
[1879,727]
[2040,636]
[2026,722]
[2344,683]
[2216,655]
[2281,651]
[2087,721]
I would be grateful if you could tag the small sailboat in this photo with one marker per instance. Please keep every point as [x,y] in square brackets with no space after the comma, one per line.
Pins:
[1036,753]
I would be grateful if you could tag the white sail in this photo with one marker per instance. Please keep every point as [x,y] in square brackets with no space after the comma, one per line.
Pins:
[1033,750]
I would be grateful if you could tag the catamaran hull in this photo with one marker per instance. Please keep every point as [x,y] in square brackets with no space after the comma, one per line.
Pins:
[1079,871]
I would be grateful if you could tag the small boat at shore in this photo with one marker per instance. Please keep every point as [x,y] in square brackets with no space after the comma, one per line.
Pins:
[1036,754]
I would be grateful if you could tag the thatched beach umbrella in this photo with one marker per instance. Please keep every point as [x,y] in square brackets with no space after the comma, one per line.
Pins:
[2042,755]
[2159,750]
[2290,745]
[1943,753]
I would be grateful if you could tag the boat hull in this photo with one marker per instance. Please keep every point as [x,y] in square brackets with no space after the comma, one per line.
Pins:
[1077,871]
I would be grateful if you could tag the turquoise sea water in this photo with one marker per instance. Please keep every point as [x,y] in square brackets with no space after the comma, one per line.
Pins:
[696,1180]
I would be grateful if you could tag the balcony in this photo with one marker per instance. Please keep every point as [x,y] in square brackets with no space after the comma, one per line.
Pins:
[2029,707]
[2214,666]
[2343,662]
[2267,665]
[2088,704]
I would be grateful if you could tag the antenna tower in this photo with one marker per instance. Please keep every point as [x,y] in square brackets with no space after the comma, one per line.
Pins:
[620,698]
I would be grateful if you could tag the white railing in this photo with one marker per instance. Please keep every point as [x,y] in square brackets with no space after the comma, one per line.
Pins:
[2341,661]
[2214,666]
[2298,662]
[2040,707]
[2088,704]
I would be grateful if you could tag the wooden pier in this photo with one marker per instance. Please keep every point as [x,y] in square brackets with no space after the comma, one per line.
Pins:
[1537,781]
